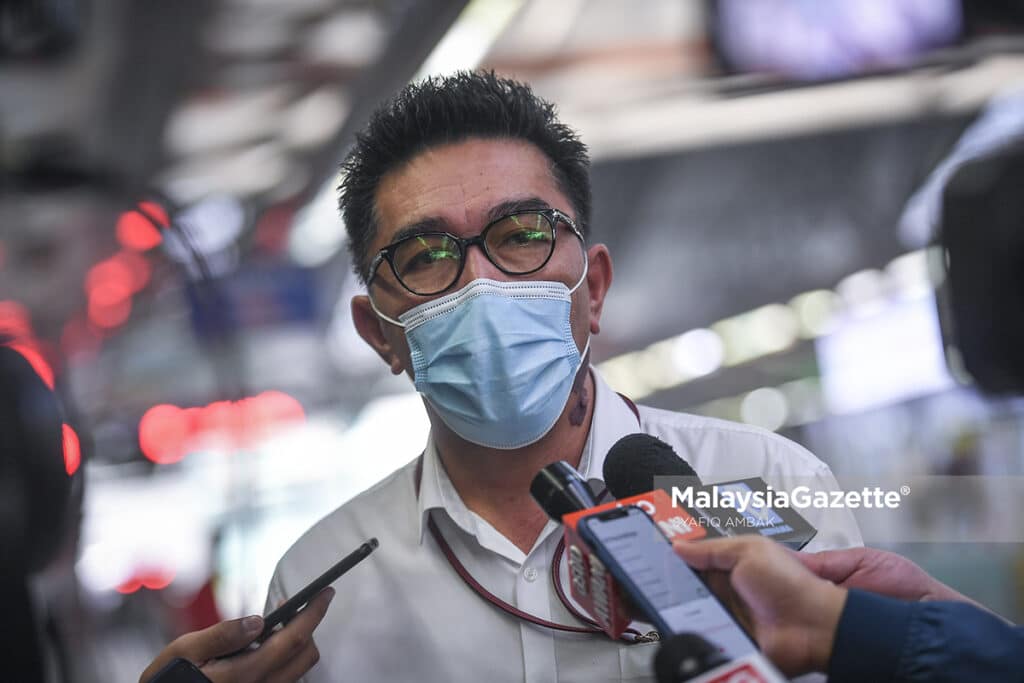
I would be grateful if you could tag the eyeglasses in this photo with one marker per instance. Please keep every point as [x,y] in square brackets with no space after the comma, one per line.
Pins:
[517,244]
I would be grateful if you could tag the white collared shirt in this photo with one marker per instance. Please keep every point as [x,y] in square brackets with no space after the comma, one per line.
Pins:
[405,615]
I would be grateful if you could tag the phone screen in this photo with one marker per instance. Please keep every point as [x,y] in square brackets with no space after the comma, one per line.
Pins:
[671,594]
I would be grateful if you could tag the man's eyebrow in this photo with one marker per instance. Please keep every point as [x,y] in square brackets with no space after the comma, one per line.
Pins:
[430,224]
[515,206]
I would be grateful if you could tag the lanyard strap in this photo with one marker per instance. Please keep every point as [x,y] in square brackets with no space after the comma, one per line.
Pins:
[556,579]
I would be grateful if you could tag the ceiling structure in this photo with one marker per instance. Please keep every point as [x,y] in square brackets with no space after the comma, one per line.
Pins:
[241,110]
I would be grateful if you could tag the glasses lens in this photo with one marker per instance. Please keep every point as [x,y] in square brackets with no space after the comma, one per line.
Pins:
[521,243]
[427,263]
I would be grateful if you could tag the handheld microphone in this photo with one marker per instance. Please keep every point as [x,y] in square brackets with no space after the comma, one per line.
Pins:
[635,461]
[559,489]
[565,496]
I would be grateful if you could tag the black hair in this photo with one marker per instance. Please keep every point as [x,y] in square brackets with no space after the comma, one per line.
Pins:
[442,110]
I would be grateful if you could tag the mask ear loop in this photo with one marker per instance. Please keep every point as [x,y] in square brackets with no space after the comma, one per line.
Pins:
[586,267]
[382,316]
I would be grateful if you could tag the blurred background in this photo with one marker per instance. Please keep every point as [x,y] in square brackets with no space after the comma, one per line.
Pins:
[767,174]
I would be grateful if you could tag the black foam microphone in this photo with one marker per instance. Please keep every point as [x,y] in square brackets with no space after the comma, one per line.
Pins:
[636,459]
[634,463]
[559,489]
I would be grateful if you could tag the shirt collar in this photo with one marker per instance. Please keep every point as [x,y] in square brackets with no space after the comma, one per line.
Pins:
[612,419]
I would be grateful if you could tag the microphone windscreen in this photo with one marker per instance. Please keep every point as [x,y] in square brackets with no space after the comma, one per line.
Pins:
[636,459]
[685,656]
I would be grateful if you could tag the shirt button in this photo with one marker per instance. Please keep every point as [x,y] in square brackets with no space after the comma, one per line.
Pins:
[530,574]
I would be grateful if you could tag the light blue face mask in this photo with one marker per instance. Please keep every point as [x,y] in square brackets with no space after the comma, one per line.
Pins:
[496,360]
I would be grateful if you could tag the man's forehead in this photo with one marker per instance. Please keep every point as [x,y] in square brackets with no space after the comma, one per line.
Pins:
[460,185]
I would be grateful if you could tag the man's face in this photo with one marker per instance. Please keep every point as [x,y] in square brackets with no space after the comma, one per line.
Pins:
[457,188]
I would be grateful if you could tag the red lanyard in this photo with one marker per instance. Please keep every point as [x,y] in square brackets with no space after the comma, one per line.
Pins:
[556,579]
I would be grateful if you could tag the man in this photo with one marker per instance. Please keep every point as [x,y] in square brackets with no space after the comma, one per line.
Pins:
[815,613]
[467,205]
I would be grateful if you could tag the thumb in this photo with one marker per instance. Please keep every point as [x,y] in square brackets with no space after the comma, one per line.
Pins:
[721,554]
[833,565]
[219,639]
[200,646]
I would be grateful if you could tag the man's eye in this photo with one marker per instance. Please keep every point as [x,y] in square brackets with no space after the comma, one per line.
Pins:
[429,257]
[526,237]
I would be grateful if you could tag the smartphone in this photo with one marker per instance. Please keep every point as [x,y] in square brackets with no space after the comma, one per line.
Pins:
[664,588]
[287,611]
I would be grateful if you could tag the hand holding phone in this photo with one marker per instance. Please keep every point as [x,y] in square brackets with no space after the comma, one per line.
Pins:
[225,652]
[285,613]
[662,586]
[202,655]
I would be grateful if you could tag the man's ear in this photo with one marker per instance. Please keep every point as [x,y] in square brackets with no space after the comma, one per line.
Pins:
[599,279]
[371,328]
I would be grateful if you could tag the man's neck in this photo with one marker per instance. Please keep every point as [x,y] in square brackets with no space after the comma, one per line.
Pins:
[495,484]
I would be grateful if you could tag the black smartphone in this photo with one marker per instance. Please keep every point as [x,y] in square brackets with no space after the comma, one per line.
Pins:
[287,611]
[669,593]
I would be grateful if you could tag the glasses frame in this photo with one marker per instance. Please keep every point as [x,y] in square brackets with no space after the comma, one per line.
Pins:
[553,216]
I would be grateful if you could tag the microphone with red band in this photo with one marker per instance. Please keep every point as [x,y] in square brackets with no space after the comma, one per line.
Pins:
[566,497]
[638,462]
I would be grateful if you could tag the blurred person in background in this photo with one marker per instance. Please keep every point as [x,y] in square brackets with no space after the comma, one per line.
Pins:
[36,496]
[467,204]
[860,614]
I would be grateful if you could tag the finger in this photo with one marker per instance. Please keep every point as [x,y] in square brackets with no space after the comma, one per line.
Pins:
[287,643]
[200,646]
[297,666]
[833,565]
[219,639]
[716,553]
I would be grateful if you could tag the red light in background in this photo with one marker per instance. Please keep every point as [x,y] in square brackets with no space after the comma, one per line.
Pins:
[72,450]
[110,272]
[36,360]
[14,320]
[79,337]
[136,231]
[156,579]
[166,431]
[137,265]
[163,431]
[153,579]
[276,407]
[109,305]
[154,210]
[221,417]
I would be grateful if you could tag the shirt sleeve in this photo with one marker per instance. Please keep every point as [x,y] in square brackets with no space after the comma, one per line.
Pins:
[882,639]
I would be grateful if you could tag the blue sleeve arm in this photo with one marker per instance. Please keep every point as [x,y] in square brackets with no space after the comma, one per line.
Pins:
[881,639]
